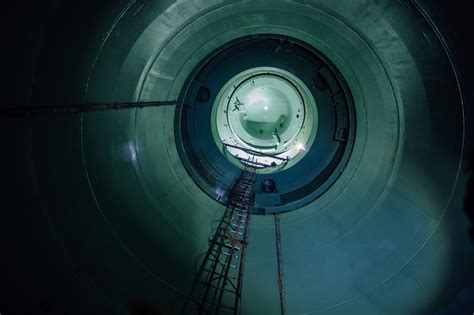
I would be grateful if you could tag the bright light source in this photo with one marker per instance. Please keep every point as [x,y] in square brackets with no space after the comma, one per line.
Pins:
[300,146]
[266,107]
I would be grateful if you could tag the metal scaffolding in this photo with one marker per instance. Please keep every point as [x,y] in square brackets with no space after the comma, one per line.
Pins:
[218,285]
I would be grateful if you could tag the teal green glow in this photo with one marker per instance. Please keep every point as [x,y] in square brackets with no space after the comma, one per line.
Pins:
[267,110]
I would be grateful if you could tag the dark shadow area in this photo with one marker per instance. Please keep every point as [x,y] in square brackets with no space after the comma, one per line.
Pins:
[140,307]
[469,196]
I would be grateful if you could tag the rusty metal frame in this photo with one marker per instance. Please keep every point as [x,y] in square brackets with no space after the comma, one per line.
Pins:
[217,287]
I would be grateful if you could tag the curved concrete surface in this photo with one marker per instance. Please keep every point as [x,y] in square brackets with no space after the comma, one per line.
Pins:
[101,215]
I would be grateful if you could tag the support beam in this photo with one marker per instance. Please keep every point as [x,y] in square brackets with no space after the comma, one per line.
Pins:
[29,111]
[281,275]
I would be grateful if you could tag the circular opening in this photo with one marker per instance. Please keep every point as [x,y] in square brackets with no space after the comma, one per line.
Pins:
[265,117]
[203,95]
[268,185]
[274,103]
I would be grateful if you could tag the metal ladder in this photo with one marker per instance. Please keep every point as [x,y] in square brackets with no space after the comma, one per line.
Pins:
[218,285]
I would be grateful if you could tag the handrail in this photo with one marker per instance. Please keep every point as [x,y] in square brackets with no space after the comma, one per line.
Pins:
[262,154]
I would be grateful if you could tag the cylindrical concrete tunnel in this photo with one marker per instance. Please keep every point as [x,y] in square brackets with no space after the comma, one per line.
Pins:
[363,110]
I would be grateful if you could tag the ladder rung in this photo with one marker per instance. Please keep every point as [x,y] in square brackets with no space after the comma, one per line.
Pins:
[213,286]
[227,254]
[235,232]
[227,247]
[235,219]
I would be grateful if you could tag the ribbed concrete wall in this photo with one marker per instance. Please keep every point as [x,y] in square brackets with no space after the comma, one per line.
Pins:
[101,213]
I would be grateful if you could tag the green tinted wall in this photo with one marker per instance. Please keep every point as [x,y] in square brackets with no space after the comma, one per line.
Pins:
[100,213]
